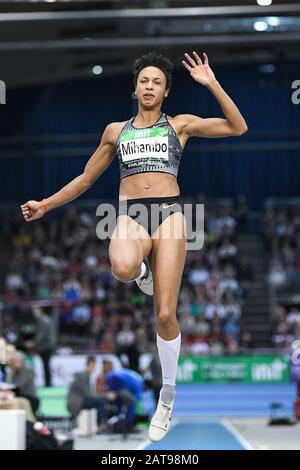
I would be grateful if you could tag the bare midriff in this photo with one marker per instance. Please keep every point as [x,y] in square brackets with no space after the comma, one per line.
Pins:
[148,184]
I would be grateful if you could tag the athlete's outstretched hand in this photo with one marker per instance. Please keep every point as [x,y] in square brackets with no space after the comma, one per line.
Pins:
[33,210]
[199,69]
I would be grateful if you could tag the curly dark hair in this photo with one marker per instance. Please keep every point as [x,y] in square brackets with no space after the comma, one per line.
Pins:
[155,60]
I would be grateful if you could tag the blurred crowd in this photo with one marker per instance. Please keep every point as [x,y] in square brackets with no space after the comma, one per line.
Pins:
[60,260]
[286,327]
[281,228]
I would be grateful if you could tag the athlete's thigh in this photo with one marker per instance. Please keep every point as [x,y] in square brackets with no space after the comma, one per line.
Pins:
[168,259]
[129,240]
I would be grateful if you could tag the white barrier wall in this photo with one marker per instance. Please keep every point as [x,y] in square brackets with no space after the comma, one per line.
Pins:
[12,430]
[63,367]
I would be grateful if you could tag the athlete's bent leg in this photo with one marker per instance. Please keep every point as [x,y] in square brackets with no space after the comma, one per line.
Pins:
[126,252]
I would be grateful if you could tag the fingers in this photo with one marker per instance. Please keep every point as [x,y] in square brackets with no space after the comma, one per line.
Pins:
[25,210]
[27,214]
[28,218]
[191,62]
[190,59]
[187,66]
[199,61]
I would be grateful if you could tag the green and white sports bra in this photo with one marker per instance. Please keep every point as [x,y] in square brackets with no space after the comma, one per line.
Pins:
[154,148]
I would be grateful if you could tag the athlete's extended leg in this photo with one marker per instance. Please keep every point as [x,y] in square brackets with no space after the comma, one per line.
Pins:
[168,259]
[127,249]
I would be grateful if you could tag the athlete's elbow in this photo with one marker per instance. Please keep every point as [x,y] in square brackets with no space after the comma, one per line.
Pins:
[237,131]
[244,129]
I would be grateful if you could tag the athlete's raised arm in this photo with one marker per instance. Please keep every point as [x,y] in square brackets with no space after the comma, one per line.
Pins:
[97,164]
[193,126]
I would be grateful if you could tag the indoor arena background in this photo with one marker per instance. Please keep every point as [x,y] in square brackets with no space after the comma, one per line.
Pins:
[65,71]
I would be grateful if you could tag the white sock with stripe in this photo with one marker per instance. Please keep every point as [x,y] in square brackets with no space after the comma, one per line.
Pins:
[168,351]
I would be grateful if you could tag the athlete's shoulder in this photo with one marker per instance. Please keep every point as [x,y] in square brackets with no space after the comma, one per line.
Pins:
[178,122]
[184,119]
[184,122]
[115,126]
[112,131]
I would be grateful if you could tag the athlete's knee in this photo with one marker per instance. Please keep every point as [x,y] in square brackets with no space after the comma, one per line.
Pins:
[126,270]
[166,318]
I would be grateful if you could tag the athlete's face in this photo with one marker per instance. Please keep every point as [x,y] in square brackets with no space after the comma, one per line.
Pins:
[151,87]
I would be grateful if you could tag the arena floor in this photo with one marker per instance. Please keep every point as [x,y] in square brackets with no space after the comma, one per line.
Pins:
[216,417]
[209,434]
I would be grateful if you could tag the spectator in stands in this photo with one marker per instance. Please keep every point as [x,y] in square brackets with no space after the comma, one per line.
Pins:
[126,344]
[226,224]
[212,286]
[45,340]
[199,345]
[23,379]
[215,307]
[100,291]
[227,252]
[81,316]
[231,303]
[216,328]
[231,325]
[8,391]
[287,255]
[82,397]
[282,338]
[199,302]
[246,342]
[277,274]
[107,345]
[284,230]
[9,401]
[291,276]
[216,346]
[229,283]
[211,227]
[86,292]
[232,345]
[293,318]
[202,325]
[14,280]
[10,352]
[8,327]
[199,274]
[187,323]
[72,287]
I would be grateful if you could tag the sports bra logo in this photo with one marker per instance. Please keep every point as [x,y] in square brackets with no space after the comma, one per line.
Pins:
[144,133]
[145,143]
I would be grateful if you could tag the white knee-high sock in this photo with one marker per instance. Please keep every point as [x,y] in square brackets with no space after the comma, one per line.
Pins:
[168,351]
